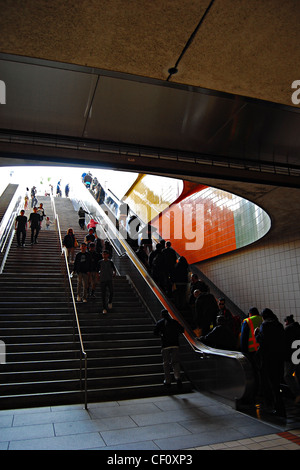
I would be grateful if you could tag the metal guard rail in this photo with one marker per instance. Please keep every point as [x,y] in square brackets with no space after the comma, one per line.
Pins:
[83,353]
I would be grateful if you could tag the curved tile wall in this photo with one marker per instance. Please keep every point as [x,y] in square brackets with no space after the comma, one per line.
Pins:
[202,222]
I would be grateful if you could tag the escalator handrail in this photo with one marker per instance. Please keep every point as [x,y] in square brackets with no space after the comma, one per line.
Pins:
[198,346]
[157,300]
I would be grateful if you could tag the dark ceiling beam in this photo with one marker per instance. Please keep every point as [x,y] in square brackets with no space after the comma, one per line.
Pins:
[35,154]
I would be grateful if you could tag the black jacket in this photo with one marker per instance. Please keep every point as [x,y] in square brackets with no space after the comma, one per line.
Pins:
[169,331]
[95,258]
[69,240]
[34,220]
[170,258]
[271,338]
[221,337]
[206,309]
[82,262]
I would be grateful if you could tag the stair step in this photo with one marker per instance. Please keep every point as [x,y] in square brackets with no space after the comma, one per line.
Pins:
[97,395]
[73,383]
[74,373]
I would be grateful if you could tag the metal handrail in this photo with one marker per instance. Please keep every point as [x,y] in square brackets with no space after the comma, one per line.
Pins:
[112,232]
[83,353]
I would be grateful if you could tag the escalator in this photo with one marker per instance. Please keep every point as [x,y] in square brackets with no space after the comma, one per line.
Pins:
[226,374]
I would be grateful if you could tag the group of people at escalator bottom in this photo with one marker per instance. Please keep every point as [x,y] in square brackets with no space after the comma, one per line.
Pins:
[269,346]
[261,337]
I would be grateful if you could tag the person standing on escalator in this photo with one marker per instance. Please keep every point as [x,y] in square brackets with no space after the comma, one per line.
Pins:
[271,339]
[206,310]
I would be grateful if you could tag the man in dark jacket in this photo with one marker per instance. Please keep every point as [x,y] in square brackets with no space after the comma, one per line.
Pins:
[107,271]
[21,227]
[221,337]
[82,267]
[170,259]
[35,225]
[206,310]
[93,274]
[270,337]
[81,215]
[169,330]
[156,264]
[194,285]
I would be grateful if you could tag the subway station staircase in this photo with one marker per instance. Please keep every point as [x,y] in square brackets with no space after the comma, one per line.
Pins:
[36,324]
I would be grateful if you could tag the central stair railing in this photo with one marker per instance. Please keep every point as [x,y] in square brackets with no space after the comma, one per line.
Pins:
[83,354]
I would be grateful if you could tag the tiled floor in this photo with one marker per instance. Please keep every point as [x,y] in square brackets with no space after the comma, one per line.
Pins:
[274,441]
[190,421]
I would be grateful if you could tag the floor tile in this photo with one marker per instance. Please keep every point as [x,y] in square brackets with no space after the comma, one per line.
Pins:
[177,422]
[4,445]
[31,432]
[144,433]
[50,417]
[122,410]
[167,417]
[74,442]
[194,440]
[143,445]
[95,425]
[6,420]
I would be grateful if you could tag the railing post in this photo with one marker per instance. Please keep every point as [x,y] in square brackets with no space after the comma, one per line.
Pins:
[85,382]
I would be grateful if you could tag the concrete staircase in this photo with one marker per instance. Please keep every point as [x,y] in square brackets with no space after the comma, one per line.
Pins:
[36,324]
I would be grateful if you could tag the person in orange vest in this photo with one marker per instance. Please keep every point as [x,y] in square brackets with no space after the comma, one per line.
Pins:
[249,345]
